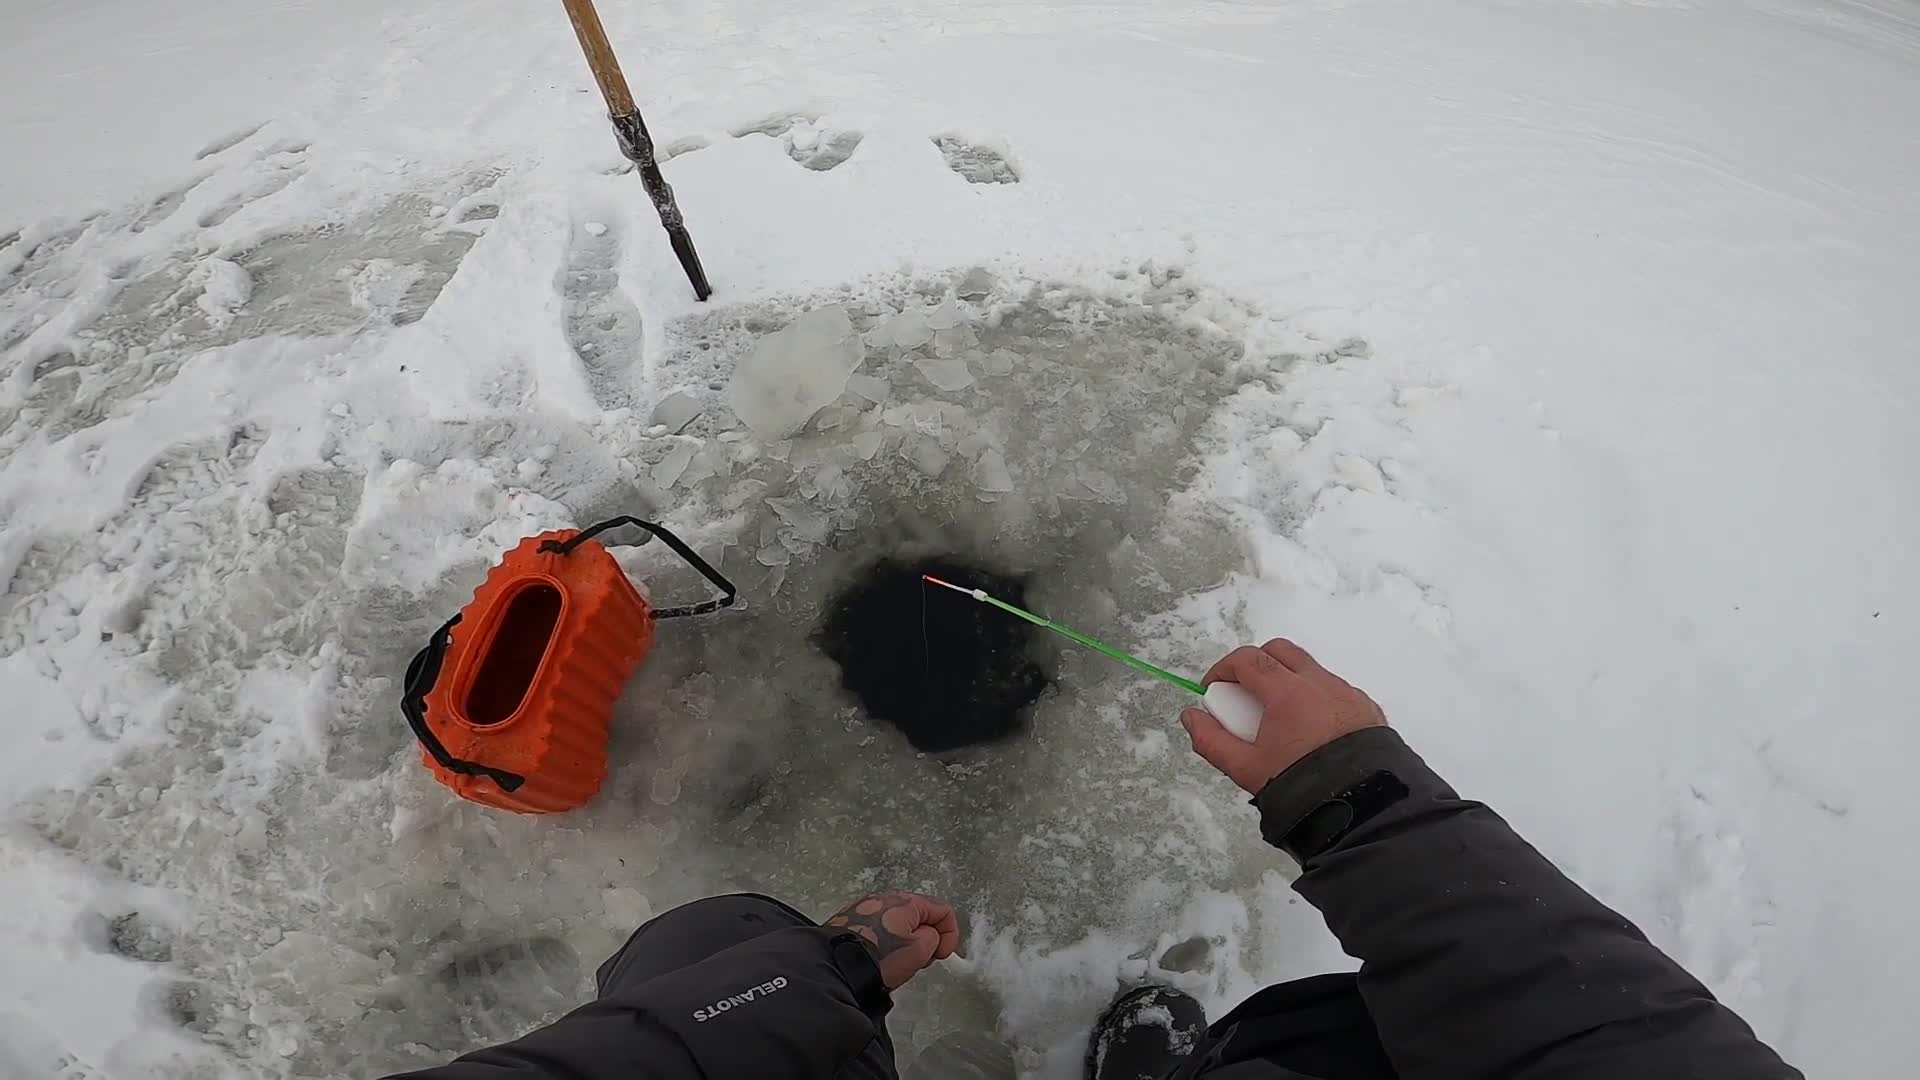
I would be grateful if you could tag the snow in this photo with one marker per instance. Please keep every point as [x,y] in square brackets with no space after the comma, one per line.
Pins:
[794,373]
[1544,368]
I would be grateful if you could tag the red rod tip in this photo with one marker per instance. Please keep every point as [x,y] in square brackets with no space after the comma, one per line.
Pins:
[931,580]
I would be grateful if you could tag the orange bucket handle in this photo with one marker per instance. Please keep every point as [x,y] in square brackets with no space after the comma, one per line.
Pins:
[424,670]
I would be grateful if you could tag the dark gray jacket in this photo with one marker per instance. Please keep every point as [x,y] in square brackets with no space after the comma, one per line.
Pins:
[1478,958]
[728,986]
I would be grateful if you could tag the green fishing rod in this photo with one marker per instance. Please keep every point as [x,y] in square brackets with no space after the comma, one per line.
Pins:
[1237,710]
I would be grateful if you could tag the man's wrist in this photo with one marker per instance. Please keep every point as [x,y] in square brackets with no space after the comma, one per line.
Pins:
[1322,798]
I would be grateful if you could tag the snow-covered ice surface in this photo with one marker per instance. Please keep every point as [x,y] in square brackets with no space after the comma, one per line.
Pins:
[1547,368]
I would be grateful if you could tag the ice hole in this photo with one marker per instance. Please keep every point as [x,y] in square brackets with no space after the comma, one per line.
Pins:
[944,669]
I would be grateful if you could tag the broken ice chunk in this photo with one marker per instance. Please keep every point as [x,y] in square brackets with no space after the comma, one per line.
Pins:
[773,555]
[735,496]
[382,284]
[946,372]
[626,906]
[703,466]
[833,416]
[1100,482]
[795,372]
[999,362]
[928,457]
[667,473]
[871,387]
[975,284]
[953,339]
[1358,473]
[990,472]
[867,443]
[666,786]
[226,288]
[718,458]
[909,329]
[676,411]
[831,482]
[806,519]
[880,334]
[946,316]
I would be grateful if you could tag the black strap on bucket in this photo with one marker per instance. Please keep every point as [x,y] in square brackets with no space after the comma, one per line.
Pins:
[680,548]
[424,670]
[422,673]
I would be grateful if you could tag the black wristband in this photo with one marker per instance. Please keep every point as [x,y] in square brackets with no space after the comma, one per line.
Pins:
[1328,823]
[854,957]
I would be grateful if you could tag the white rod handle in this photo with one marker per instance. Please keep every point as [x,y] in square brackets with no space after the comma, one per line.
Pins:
[1235,707]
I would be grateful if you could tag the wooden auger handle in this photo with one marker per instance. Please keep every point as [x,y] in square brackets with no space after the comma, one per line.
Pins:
[606,67]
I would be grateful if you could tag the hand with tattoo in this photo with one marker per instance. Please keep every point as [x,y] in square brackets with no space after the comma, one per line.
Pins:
[904,931]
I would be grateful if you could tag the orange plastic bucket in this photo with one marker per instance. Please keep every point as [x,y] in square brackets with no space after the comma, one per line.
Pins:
[512,699]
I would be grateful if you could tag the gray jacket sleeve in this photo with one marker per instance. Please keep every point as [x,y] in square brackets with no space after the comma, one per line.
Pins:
[1478,957]
[798,1003]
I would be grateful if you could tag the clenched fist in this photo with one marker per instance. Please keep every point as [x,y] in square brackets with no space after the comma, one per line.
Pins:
[905,931]
[1304,707]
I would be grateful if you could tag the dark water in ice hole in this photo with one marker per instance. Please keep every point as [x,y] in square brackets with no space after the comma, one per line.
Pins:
[946,670]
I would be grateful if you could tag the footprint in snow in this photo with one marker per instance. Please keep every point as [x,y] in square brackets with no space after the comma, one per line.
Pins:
[228,141]
[806,140]
[26,1049]
[600,323]
[976,163]
[819,147]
